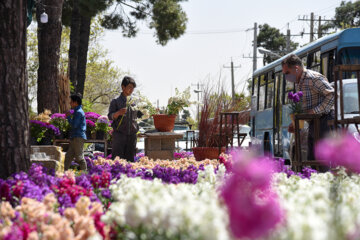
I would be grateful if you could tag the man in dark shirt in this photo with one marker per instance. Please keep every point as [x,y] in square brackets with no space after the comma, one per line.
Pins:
[124,122]
[78,136]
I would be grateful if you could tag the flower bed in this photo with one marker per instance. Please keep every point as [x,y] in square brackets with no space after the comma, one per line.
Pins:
[233,197]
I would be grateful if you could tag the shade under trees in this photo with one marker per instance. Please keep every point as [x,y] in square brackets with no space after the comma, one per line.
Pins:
[14,116]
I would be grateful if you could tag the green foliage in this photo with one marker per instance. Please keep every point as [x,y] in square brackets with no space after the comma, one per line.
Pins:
[37,131]
[167,18]
[62,124]
[270,38]
[178,102]
[87,105]
[103,127]
[347,15]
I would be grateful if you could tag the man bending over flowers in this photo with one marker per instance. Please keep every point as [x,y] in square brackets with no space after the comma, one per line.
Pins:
[318,96]
[78,136]
[123,115]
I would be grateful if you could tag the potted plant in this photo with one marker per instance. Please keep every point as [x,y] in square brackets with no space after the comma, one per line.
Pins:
[42,132]
[165,122]
[140,103]
[102,127]
[296,107]
[90,129]
[208,141]
[59,121]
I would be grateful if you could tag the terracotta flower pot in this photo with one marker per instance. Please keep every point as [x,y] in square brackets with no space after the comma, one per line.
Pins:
[301,122]
[202,153]
[164,122]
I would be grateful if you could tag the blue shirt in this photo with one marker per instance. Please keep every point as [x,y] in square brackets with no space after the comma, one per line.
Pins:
[78,123]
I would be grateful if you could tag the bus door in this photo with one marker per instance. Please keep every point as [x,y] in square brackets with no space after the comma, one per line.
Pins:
[277,140]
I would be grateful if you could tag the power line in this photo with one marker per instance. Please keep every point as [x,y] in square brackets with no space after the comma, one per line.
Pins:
[209,32]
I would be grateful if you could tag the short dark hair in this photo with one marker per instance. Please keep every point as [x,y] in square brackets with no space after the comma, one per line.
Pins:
[128,80]
[76,97]
[292,60]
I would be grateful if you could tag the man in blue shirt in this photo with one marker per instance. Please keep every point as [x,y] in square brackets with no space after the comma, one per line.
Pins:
[77,136]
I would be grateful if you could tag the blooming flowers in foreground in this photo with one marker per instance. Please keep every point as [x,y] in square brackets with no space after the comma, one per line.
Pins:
[40,220]
[153,209]
[252,205]
[233,197]
[340,151]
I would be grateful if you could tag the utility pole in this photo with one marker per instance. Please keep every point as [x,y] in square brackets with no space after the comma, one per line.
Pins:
[312,27]
[255,48]
[288,39]
[319,28]
[198,91]
[312,23]
[254,56]
[232,79]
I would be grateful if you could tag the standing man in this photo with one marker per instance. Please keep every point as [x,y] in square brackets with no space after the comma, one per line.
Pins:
[78,136]
[124,122]
[318,96]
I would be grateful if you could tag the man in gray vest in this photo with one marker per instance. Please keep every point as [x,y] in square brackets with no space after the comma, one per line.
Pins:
[124,122]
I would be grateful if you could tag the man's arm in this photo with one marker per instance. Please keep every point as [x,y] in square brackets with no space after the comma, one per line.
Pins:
[112,110]
[323,87]
[75,121]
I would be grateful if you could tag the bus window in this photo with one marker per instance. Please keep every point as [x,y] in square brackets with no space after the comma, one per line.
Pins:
[349,56]
[280,83]
[262,93]
[314,61]
[304,61]
[270,90]
[255,86]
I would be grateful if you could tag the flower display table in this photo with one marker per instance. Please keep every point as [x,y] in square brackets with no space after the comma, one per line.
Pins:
[161,145]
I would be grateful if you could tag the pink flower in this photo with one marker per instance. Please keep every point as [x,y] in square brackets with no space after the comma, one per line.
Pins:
[252,205]
[342,151]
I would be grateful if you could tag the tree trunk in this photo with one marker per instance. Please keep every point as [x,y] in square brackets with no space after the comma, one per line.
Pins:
[74,43]
[14,116]
[83,50]
[49,39]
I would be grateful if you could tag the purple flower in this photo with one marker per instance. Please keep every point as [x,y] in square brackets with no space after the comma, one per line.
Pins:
[92,116]
[341,151]
[300,93]
[58,115]
[103,119]
[106,193]
[296,98]
[90,123]
[49,126]
[290,95]
[252,205]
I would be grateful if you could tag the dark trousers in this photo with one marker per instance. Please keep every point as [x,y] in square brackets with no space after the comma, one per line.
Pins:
[324,130]
[123,146]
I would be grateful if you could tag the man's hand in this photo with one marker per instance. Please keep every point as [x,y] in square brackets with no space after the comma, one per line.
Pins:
[120,113]
[311,111]
[291,128]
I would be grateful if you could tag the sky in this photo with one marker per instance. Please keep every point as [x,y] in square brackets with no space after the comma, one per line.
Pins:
[217,31]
